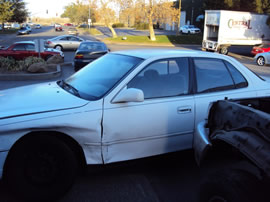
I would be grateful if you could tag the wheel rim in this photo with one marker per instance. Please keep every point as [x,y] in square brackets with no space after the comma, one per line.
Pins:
[260,61]
[224,51]
[58,47]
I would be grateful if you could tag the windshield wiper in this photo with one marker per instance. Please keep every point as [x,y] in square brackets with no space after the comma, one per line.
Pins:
[69,87]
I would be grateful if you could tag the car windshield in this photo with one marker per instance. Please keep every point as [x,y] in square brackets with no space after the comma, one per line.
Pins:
[97,78]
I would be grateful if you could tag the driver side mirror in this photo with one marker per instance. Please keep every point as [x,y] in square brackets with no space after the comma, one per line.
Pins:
[129,95]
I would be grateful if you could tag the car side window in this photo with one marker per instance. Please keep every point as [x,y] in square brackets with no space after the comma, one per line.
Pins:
[19,47]
[30,47]
[163,78]
[64,39]
[73,39]
[212,75]
[238,78]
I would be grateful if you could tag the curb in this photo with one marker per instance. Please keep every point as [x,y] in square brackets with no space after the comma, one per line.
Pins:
[33,76]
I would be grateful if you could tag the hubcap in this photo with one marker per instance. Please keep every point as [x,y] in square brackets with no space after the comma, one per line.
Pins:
[260,61]
[58,47]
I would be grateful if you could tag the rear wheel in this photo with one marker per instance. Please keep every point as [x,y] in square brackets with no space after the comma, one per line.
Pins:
[58,47]
[40,167]
[224,50]
[260,61]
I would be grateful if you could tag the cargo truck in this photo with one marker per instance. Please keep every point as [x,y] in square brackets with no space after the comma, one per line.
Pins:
[225,28]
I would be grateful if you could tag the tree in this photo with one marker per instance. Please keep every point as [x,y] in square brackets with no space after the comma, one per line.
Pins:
[79,12]
[20,13]
[6,11]
[107,15]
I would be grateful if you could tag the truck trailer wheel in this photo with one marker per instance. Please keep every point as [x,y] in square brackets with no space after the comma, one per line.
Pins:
[260,61]
[39,168]
[229,186]
[224,50]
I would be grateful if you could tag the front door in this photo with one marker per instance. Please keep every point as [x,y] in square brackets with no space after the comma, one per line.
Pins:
[163,122]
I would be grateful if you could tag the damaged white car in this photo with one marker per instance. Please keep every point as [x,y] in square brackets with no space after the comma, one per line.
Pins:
[124,105]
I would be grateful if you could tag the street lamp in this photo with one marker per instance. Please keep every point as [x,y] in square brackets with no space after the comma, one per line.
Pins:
[89,18]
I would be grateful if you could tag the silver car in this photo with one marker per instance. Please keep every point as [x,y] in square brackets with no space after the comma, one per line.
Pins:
[124,105]
[262,58]
[64,42]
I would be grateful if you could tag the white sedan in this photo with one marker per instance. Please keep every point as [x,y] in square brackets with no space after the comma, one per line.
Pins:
[262,58]
[189,29]
[125,105]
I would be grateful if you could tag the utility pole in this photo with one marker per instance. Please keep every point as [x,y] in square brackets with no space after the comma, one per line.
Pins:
[89,18]
[179,18]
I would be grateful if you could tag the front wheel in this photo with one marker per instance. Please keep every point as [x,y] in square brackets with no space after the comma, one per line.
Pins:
[40,167]
[260,61]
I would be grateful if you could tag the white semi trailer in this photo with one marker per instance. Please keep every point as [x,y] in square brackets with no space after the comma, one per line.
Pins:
[225,28]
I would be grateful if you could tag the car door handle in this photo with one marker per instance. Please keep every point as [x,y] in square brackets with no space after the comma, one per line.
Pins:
[183,110]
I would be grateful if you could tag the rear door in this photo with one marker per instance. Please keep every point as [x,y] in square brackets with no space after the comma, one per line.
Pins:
[217,79]
[30,48]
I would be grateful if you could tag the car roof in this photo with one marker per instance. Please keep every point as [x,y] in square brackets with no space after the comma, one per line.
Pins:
[19,42]
[150,53]
[58,37]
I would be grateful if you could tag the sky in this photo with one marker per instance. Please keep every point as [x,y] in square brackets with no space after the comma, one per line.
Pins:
[38,8]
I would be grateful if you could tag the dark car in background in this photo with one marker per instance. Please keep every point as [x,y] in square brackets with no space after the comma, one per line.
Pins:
[23,49]
[64,42]
[87,52]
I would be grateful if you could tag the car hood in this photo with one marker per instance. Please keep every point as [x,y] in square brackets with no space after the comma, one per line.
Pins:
[38,98]
[194,29]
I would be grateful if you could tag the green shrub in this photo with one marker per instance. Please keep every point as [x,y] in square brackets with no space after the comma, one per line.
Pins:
[31,60]
[9,64]
[141,26]
[115,25]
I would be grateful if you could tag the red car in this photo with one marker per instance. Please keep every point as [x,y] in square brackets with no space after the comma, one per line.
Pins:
[68,24]
[260,49]
[58,27]
[24,49]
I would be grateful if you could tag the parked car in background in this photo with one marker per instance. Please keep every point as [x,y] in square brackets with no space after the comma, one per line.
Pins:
[260,49]
[7,26]
[38,26]
[83,26]
[125,105]
[15,26]
[23,49]
[87,52]
[68,24]
[64,42]
[23,30]
[58,27]
[189,29]
[73,31]
[262,58]
[29,28]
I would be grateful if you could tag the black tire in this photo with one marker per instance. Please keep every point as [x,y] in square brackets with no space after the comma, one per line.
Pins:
[58,47]
[40,167]
[224,50]
[229,185]
[260,61]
